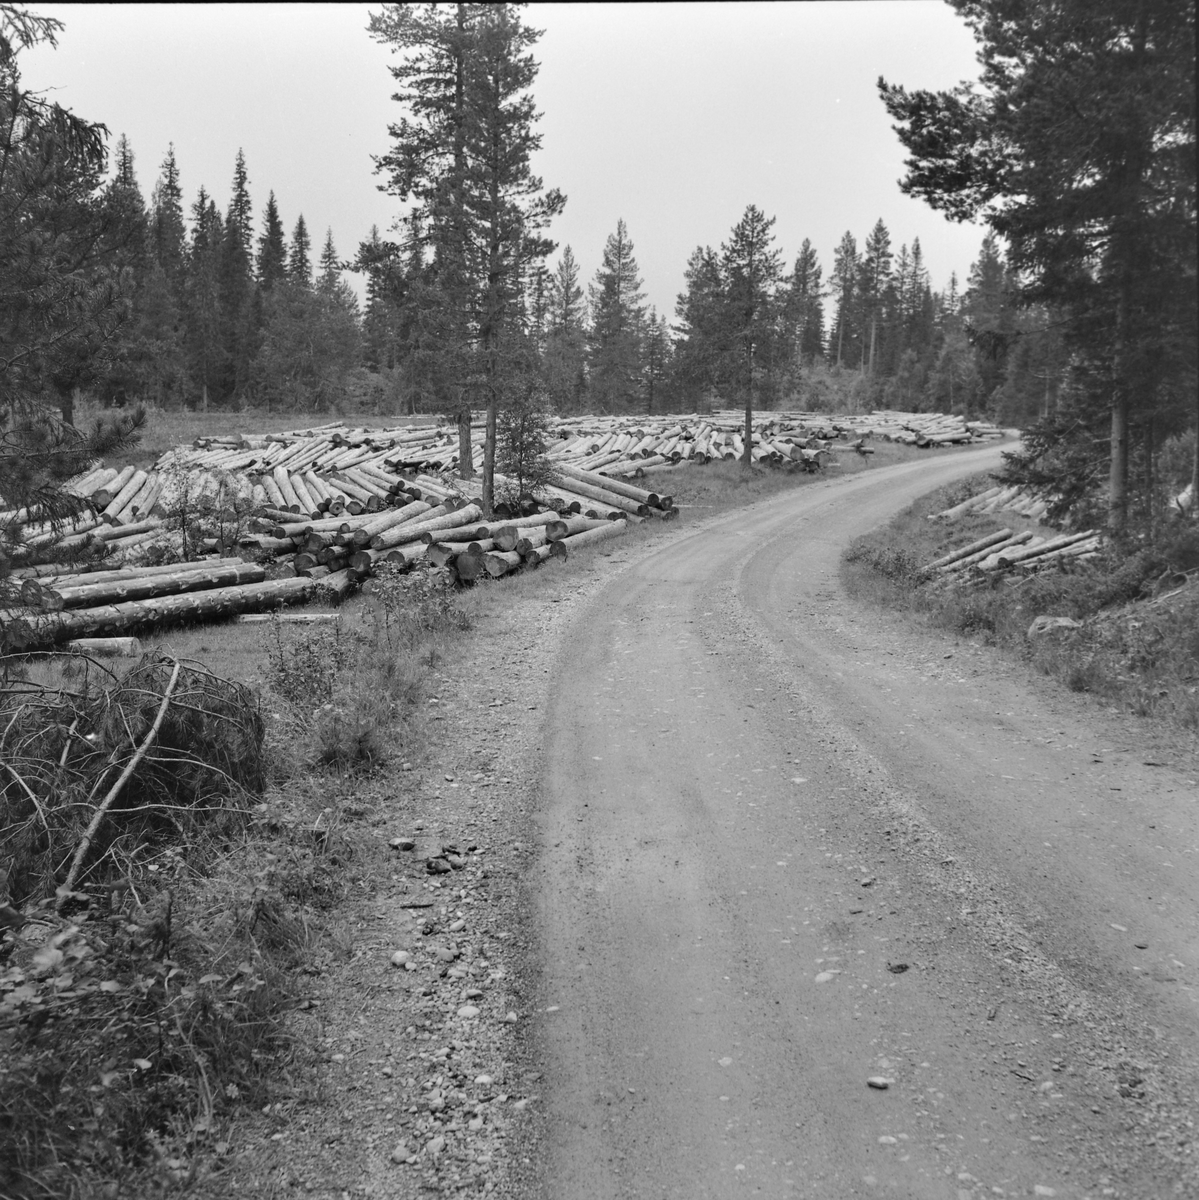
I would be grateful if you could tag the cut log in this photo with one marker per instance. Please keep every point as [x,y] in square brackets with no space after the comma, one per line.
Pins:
[603,484]
[102,497]
[555,531]
[983,543]
[134,614]
[411,531]
[134,485]
[115,647]
[287,618]
[610,529]
[501,562]
[142,587]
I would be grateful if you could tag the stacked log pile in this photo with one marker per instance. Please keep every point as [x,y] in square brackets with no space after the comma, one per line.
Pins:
[324,508]
[1006,549]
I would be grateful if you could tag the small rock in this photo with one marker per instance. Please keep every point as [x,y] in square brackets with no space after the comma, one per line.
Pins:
[456,862]
[1047,624]
[886,1140]
[468,1012]
[401,1154]
[880,1082]
[869,882]
[399,958]
[475,1124]
[1141,945]
[474,993]
[434,1147]
[458,926]
[1041,1190]
[402,843]
[483,1080]
[827,976]
[437,866]
[897,968]
[509,1018]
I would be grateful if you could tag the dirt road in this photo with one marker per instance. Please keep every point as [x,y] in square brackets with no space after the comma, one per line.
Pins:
[790,846]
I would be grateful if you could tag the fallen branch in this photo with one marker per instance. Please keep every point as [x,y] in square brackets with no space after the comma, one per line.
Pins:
[114,791]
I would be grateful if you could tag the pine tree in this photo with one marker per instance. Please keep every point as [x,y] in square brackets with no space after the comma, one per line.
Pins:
[462,152]
[752,269]
[272,247]
[617,327]
[299,259]
[1078,148]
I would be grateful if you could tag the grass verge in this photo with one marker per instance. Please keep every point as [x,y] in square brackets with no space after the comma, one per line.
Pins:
[143,1013]
[1137,644]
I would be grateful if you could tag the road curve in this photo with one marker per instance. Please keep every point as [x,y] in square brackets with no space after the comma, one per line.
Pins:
[789,845]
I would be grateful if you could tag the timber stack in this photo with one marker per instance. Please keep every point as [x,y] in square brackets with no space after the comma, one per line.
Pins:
[287,515]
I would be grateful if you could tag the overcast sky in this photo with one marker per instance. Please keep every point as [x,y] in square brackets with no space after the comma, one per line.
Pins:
[672,116]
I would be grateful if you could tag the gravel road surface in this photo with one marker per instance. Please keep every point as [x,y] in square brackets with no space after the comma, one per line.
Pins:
[830,906]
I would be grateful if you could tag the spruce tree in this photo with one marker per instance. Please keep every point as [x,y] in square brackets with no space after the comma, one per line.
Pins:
[330,276]
[874,280]
[237,288]
[805,306]
[169,231]
[272,248]
[617,327]
[702,345]
[564,358]
[844,288]
[61,302]
[206,352]
[299,259]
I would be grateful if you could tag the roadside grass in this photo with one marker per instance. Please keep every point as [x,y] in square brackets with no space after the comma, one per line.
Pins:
[142,1025]
[1137,647]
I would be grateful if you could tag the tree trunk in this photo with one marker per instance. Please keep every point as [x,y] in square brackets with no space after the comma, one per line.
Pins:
[747,456]
[466,452]
[489,456]
[142,587]
[1117,495]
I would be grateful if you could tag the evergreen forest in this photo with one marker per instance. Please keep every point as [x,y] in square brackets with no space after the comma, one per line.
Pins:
[1080,303]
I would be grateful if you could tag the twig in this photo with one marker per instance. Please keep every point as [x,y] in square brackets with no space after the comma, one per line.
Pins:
[66,748]
[114,791]
[28,792]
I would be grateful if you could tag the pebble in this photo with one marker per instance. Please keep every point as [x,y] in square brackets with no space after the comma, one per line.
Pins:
[827,976]
[468,1012]
[401,1153]
[458,926]
[880,1082]
[402,843]
[399,958]
[509,1019]
[886,1140]
[1041,1190]
[483,1080]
